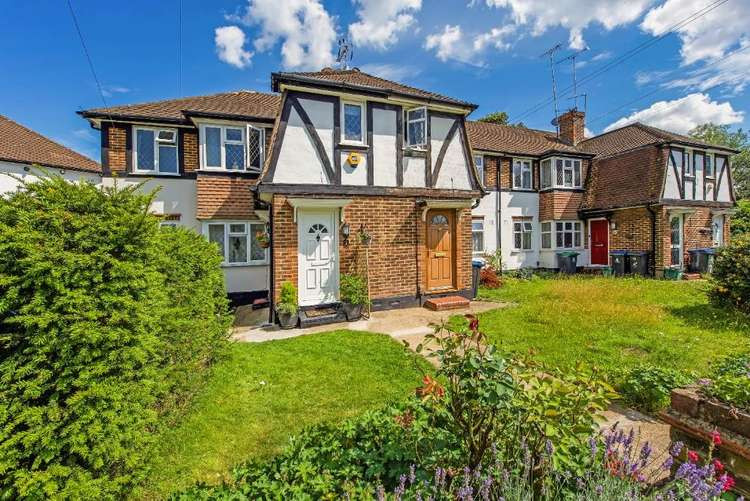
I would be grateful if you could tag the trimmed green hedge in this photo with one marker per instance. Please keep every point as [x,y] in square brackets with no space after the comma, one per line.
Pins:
[106,324]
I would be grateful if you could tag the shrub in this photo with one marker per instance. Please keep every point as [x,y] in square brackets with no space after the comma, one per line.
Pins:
[648,387]
[731,274]
[732,365]
[287,304]
[105,321]
[354,290]
[488,278]
[730,381]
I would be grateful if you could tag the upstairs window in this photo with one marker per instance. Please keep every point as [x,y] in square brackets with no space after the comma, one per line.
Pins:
[689,167]
[698,162]
[522,174]
[416,127]
[238,242]
[546,173]
[353,120]
[232,147]
[479,164]
[561,173]
[709,165]
[155,151]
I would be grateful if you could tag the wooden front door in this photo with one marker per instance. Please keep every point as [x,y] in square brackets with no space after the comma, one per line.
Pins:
[600,242]
[440,249]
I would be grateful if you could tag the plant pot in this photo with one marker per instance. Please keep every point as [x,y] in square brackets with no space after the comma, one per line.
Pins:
[287,320]
[352,311]
[264,244]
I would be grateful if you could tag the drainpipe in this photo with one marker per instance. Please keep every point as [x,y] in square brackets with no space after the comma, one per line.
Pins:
[653,238]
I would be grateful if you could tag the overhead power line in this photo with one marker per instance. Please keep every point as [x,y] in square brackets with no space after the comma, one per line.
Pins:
[629,54]
[86,52]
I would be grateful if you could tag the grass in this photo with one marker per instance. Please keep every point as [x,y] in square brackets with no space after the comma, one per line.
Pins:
[261,394]
[614,323]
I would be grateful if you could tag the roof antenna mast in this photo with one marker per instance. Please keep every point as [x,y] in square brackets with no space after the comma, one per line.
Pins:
[346,53]
[572,59]
[551,55]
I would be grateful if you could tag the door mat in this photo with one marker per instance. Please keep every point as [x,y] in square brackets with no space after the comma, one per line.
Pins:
[320,312]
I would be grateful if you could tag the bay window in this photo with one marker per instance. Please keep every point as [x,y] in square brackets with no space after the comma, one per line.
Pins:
[522,178]
[155,151]
[522,234]
[232,147]
[568,234]
[353,119]
[238,241]
[416,127]
[561,173]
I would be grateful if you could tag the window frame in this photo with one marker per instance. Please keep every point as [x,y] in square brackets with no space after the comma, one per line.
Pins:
[480,167]
[481,231]
[362,105]
[249,232]
[525,162]
[575,223]
[553,184]
[527,227]
[223,126]
[408,121]
[157,168]
[708,159]
[548,232]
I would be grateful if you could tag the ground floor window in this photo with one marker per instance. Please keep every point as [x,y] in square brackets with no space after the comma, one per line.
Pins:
[522,233]
[568,234]
[547,235]
[717,230]
[239,241]
[477,234]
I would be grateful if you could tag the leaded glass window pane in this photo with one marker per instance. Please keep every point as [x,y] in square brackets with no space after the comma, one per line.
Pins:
[213,146]
[238,249]
[234,134]
[257,253]
[145,148]
[167,159]
[416,133]
[216,235]
[352,122]
[235,156]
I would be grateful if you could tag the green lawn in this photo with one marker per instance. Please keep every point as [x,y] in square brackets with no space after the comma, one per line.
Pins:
[614,322]
[260,394]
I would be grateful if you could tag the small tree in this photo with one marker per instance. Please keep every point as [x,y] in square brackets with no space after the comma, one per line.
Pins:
[731,274]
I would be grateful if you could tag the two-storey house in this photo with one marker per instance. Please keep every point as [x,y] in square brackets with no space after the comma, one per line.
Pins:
[367,175]
[204,155]
[637,188]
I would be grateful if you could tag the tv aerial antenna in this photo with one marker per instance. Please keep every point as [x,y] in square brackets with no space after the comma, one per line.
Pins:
[572,59]
[551,55]
[345,54]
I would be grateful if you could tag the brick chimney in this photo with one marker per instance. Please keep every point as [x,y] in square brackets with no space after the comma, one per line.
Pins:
[572,124]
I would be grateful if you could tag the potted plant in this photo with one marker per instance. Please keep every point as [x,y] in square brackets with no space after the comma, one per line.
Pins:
[263,239]
[287,308]
[353,296]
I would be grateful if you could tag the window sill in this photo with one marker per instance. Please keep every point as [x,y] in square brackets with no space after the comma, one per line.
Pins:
[147,173]
[352,145]
[562,188]
[527,190]
[521,251]
[414,152]
[244,265]
[229,172]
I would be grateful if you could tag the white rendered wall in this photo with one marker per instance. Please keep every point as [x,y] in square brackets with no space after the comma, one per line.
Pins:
[672,183]
[298,160]
[13,174]
[355,175]
[519,204]
[246,278]
[414,172]
[487,209]
[384,147]
[454,172]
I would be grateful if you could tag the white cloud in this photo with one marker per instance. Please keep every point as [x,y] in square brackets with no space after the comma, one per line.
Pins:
[451,44]
[574,15]
[381,21]
[110,90]
[646,77]
[729,71]
[710,36]
[683,114]
[230,42]
[304,28]
[85,135]
[396,72]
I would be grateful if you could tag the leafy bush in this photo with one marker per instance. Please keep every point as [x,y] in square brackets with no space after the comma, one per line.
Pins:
[287,304]
[105,323]
[731,274]
[354,290]
[741,218]
[730,381]
[732,365]
[648,387]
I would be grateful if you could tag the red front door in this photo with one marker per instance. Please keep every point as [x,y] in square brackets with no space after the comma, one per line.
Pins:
[600,242]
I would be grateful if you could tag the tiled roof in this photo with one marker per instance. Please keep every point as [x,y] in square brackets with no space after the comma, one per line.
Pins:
[515,140]
[357,80]
[636,135]
[241,104]
[22,145]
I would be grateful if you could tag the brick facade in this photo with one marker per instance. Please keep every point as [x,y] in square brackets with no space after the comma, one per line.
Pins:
[396,256]
[557,204]
[189,150]
[572,127]
[223,196]
[491,171]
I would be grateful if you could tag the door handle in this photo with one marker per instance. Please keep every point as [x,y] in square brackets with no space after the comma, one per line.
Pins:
[439,254]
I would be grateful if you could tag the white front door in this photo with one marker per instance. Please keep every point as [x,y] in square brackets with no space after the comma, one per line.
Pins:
[318,257]
[675,240]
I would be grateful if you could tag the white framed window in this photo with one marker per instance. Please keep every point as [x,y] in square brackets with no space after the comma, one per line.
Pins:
[717,230]
[675,240]
[238,241]
[353,122]
[479,164]
[522,179]
[560,172]
[416,127]
[522,235]
[710,172]
[568,234]
[689,166]
[155,151]
[477,234]
[232,147]
[546,235]
[546,173]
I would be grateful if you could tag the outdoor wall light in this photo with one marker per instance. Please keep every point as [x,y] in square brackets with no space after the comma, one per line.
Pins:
[613,225]
[345,232]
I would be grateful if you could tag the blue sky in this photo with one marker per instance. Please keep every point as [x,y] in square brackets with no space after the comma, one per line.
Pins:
[688,70]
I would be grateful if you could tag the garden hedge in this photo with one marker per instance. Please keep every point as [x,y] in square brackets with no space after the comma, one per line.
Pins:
[731,274]
[106,322]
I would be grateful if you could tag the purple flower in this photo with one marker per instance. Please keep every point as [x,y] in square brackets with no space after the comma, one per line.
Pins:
[683,470]
[485,490]
[668,463]
[412,474]
[630,438]
[549,447]
[676,448]
[592,446]
[381,493]
[465,493]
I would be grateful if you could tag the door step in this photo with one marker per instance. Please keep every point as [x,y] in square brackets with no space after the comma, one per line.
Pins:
[321,316]
[446,303]
[691,276]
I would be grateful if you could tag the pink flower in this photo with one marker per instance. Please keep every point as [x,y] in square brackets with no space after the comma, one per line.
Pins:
[728,482]
[718,466]
[716,437]
[693,456]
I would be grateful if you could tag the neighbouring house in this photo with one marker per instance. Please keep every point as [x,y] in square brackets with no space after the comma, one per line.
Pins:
[205,155]
[26,155]
[637,188]
[369,176]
